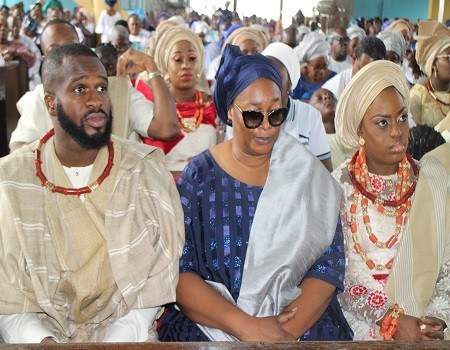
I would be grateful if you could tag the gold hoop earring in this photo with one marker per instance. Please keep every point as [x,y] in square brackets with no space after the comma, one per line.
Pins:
[361,141]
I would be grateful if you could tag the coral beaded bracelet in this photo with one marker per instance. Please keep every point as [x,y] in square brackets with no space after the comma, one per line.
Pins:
[390,323]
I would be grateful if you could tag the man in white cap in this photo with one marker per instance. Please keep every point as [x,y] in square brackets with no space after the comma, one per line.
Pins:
[304,122]
[339,59]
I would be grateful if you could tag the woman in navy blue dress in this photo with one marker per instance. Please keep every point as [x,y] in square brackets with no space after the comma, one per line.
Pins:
[242,278]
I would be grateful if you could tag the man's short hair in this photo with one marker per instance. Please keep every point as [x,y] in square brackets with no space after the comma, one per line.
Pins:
[119,31]
[59,21]
[133,15]
[122,23]
[106,50]
[55,59]
[372,47]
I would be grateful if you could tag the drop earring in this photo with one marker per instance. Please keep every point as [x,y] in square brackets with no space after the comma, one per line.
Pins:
[361,141]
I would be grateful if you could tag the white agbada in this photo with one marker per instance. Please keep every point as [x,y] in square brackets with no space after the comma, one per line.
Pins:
[141,41]
[338,83]
[304,122]
[106,24]
[339,66]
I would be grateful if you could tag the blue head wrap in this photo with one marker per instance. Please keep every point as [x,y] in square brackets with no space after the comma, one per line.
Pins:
[236,72]
[110,3]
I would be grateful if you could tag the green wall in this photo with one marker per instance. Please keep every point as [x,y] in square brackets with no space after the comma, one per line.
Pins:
[412,9]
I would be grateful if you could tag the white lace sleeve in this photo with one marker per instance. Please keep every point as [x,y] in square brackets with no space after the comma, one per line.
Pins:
[364,300]
[439,305]
[363,307]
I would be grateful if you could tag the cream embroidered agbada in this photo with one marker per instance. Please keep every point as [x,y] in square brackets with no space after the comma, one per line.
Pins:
[79,265]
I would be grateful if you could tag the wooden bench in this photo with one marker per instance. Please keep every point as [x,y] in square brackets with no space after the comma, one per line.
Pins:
[429,345]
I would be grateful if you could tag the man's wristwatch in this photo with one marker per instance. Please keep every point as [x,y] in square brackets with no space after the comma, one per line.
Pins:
[150,75]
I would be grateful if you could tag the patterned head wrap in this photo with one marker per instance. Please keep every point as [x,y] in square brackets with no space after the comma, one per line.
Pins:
[168,40]
[246,33]
[394,41]
[433,38]
[360,93]
[162,27]
[400,25]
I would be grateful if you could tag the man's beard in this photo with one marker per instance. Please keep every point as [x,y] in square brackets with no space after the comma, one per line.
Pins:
[77,133]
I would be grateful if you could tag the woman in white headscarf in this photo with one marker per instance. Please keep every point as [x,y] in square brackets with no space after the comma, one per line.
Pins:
[312,53]
[430,100]
[378,184]
[402,26]
[395,46]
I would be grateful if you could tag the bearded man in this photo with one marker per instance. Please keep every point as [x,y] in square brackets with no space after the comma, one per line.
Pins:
[91,226]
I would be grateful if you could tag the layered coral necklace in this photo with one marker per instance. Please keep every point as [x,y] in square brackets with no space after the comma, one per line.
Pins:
[64,190]
[364,195]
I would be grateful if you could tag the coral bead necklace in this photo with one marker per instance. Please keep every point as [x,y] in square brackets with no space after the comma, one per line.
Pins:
[190,124]
[64,190]
[364,194]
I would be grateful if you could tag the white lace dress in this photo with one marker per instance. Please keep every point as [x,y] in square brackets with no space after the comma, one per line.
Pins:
[364,300]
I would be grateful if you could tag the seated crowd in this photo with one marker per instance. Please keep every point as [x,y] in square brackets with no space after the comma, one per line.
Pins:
[141,165]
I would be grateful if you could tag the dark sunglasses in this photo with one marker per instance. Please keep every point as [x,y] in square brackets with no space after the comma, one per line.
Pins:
[254,119]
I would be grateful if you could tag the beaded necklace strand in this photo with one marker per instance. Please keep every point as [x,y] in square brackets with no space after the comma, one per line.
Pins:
[398,208]
[64,190]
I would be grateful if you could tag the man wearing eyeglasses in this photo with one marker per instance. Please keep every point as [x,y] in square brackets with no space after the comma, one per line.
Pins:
[339,58]
[368,50]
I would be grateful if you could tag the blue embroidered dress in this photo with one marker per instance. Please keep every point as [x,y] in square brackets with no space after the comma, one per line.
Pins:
[218,213]
[305,89]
